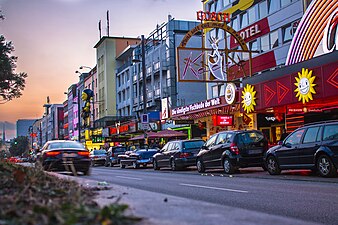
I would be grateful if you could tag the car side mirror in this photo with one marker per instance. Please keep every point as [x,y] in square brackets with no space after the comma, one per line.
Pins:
[288,145]
[280,143]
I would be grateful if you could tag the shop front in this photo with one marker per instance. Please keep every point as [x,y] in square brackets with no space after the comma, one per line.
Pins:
[293,96]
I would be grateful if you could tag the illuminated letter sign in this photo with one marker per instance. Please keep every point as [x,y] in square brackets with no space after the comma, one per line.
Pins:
[213,16]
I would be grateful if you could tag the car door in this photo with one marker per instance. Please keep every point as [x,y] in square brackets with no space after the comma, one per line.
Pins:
[287,154]
[207,156]
[166,154]
[160,155]
[217,150]
[308,147]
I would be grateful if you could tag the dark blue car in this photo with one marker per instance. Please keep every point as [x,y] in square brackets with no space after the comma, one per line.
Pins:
[136,158]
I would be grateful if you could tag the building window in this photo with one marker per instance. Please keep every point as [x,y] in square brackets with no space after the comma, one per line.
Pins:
[285,3]
[252,15]
[234,23]
[274,39]
[226,2]
[244,20]
[287,33]
[253,46]
[265,45]
[262,9]
[214,91]
[273,6]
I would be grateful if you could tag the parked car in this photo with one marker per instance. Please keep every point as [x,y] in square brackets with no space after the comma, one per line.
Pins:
[314,147]
[178,154]
[232,150]
[61,155]
[113,153]
[98,157]
[136,158]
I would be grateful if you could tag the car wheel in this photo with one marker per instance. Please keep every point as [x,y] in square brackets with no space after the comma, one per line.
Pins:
[228,167]
[272,166]
[325,166]
[200,166]
[135,165]
[173,165]
[122,166]
[87,172]
[155,165]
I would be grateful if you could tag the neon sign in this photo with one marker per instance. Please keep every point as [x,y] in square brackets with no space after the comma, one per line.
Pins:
[213,16]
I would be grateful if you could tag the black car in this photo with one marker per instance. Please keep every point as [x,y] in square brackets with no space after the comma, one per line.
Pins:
[314,147]
[178,154]
[113,153]
[138,157]
[61,155]
[231,150]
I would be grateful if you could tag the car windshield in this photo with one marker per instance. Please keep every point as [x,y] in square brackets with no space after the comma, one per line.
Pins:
[250,137]
[99,152]
[193,144]
[65,145]
[121,149]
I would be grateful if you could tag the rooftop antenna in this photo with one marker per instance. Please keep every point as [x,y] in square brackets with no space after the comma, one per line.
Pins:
[108,23]
[100,28]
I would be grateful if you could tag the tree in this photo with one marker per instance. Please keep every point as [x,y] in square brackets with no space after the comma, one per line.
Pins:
[11,83]
[19,146]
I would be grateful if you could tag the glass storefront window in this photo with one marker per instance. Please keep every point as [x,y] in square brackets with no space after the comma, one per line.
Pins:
[265,44]
[273,6]
[274,39]
[263,9]
[287,33]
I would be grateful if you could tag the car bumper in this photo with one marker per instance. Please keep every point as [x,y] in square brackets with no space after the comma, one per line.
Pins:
[129,162]
[247,161]
[67,165]
[185,162]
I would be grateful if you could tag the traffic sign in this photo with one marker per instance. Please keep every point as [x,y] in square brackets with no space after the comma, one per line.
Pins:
[145,119]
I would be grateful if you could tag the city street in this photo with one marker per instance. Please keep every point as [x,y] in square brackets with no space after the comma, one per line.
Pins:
[297,195]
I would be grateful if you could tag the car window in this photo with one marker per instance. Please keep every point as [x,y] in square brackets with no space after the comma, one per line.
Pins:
[330,132]
[99,152]
[192,144]
[250,137]
[221,139]
[211,141]
[170,146]
[176,146]
[295,137]
[65,145]
[165,147]
[320,133]
[229,137]
[310,135]
[119,150]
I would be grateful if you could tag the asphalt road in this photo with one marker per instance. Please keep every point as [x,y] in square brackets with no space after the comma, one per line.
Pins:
[297,196]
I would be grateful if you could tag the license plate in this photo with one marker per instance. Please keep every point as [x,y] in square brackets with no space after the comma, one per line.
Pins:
[257,151]
[67,155]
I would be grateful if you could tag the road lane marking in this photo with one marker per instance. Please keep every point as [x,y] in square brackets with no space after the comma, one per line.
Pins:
[215,188]
[130,178]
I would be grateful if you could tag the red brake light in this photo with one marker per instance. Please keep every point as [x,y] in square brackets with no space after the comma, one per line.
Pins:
[55,153]
[234,148]
[112,154]
[184,154]
[85,154]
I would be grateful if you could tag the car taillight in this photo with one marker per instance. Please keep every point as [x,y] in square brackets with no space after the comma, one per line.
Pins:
[185,154]
[52,153]
[112,155]
[234,148]
[85,154]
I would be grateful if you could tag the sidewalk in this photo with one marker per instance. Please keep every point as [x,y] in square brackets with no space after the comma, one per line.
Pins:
[161,209]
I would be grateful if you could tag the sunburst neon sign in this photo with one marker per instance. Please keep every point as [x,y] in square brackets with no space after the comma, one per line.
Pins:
[249,99]
[305,85]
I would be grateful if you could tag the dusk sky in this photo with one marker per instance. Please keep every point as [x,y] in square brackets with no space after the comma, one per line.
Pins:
[53,38]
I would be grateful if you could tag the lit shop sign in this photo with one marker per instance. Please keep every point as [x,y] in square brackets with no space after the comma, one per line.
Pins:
[249,98]
[196,106]
[213,16]
[305,86]
[223,120]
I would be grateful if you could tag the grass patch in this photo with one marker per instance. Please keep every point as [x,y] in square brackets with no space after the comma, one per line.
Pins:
[30,196]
